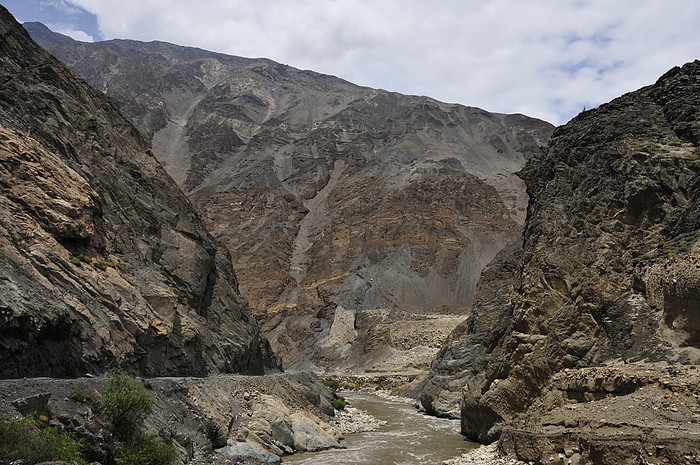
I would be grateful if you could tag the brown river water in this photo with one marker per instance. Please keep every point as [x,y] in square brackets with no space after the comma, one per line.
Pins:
[408,438]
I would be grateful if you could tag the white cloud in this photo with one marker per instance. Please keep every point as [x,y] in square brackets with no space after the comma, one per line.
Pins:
[547,58]
[71,32]
[61,5]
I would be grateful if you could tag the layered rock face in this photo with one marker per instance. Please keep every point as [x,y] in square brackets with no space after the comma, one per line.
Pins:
[359,220]
[609,275]
[103,260]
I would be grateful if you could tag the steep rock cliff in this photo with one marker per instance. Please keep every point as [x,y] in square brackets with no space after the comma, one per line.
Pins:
[359,220]
[103,261]
[609,276]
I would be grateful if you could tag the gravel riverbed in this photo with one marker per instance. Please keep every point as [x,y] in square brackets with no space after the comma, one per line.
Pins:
[484,455]
[352,420]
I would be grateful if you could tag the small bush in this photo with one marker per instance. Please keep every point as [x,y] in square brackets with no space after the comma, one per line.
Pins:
[332,384]
[338,403]
[125,404]
[149,449]
[24,439]
[78,260]
[103,264]
[42,418]
[63,446]
[83,398]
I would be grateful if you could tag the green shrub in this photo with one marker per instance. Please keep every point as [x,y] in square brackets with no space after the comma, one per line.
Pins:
[338,403]
[125,404]
[24,439]
[83,398]
[149,449]
[103,264]
[78,260]
[63,446]
[332,384]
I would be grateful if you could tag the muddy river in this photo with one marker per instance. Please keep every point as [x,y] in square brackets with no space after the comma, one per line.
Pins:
[408,438]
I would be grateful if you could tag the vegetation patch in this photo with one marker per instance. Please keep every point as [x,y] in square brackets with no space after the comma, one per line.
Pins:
[680,245]
[31,440]
[103,264]
[83,398]
[332,384]
[78,260]
[125,404]
[147,449]
[338,403]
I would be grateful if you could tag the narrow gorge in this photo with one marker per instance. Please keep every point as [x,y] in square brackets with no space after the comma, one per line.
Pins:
[244,240]
[358,220]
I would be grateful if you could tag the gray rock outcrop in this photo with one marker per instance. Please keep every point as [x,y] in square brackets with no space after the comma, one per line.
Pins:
[103,260]
[609,276]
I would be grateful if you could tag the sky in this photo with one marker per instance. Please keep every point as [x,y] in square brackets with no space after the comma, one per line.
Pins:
[544,58]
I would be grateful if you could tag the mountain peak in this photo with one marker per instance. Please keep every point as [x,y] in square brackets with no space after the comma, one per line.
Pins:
[45,36]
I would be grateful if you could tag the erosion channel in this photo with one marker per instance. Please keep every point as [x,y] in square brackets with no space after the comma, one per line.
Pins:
[408,437]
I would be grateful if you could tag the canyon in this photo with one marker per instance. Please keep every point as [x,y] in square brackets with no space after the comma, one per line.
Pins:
[358,220]
[538,284]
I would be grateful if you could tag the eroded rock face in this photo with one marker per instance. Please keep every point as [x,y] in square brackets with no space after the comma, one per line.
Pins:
[609,270]
[462,361]
[104,261]
[357,218]
[623,413]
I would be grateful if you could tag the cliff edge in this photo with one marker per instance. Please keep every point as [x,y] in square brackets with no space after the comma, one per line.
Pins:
[603,307]
[103,261]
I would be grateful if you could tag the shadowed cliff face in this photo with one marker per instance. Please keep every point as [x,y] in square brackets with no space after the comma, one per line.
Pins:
[358,220]
[104,262]
[609,272]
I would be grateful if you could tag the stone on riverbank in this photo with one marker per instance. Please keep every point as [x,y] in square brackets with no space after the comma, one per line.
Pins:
[352,420]
[484,455]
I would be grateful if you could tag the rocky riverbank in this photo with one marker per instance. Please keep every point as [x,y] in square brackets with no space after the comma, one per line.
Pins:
[210,419]
[352,420]
[405,436]
[485,455]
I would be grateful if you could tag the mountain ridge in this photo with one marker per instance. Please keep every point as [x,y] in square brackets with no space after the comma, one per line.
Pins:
[303,175]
